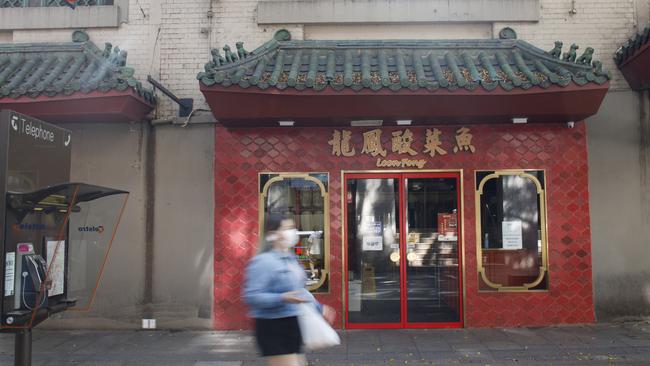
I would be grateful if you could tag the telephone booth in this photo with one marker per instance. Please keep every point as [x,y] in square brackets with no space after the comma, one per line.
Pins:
[56,235]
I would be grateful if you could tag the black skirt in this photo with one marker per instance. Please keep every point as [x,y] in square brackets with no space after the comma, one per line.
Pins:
[278,336]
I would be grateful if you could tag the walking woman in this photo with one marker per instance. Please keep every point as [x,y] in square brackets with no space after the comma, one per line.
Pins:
[274,286]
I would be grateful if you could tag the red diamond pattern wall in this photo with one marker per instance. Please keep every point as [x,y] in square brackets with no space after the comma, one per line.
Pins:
[242,153]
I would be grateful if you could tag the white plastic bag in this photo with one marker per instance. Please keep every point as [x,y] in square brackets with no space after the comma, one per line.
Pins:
[316,333]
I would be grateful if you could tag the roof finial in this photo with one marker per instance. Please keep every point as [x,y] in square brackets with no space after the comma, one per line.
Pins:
[556,52]
[571,55]
[282,35]
[80,36]
[507,33]
[586,57]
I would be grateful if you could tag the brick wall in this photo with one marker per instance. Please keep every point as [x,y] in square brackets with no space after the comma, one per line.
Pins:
[602,24]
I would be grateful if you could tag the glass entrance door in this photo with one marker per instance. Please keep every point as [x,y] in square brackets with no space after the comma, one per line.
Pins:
[432,250]
[402,250]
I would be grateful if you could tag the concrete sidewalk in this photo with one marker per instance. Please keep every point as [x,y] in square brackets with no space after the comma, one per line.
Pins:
[598,344]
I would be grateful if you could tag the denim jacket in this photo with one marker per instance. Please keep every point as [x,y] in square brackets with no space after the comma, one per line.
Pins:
[268,276]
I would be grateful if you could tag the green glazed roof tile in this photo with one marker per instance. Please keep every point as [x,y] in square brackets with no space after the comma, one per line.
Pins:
[35,69]
[632,46]
[396,64]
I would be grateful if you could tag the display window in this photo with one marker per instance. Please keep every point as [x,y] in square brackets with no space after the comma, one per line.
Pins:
[511,236]
[303,197]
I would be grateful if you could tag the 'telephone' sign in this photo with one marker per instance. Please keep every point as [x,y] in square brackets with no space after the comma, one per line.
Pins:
[37,154]
[36,130]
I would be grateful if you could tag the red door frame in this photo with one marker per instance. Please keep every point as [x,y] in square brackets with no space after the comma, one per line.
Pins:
[401,177]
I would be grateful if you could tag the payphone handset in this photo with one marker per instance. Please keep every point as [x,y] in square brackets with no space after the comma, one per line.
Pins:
[31,273]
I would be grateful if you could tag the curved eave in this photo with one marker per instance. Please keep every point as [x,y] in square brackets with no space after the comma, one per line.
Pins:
[111,106]
[635,69]
[238,107]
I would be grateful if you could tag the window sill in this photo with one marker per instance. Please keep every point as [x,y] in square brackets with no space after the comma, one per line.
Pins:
[391,11]
[59,17]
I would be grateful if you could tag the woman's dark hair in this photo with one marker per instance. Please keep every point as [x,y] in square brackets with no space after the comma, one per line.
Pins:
[274,221]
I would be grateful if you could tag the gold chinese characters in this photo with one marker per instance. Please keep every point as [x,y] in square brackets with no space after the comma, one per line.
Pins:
[432,146]
[401,143]
[372,143]
[341,143]
[463,140]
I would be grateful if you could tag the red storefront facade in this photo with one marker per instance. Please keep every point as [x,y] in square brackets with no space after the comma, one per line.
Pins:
[560,151]
[476,148]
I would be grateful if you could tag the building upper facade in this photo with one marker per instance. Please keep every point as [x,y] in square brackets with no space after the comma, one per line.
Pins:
[55,14]
[171,40]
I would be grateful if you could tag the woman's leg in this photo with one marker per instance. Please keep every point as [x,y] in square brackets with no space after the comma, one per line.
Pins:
[286,360]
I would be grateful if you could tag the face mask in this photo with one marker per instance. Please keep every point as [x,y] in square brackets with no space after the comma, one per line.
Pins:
[289,238]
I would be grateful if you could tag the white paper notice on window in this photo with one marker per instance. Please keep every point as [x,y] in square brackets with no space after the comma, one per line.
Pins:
[511,234]
[10,273]
[372,243]
[55,264]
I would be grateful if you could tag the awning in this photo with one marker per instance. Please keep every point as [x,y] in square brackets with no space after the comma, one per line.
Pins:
[633,60]
[71,82]
[329,83]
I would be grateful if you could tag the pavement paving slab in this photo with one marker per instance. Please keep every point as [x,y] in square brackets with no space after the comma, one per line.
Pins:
[585,345]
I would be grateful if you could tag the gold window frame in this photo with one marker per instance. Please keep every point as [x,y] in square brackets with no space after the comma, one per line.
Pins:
[526,287]
[280,176]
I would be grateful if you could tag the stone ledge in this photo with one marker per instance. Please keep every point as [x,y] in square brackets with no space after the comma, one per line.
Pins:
[59,17]
[391,11]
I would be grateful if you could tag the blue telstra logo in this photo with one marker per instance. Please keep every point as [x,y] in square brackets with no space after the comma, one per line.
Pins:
[28,227]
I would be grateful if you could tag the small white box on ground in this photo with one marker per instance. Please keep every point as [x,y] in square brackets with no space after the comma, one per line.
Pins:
[148,323]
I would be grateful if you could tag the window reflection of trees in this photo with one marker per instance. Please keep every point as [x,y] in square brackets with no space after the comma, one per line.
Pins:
[376,202]
[374,275]
[511,198]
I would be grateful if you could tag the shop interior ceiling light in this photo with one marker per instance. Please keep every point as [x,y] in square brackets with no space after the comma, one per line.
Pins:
[404,122]
[366,122]
[520,120]
[286,123]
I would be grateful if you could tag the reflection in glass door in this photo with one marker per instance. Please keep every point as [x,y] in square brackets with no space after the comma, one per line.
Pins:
[373,251]
[402,278]
[432,261]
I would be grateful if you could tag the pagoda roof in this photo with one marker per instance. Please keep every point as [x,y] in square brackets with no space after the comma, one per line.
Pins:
[330,83]
[633,59]
[46,72]
[283,63]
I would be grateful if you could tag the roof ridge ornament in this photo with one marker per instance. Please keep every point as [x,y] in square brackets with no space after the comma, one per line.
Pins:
[556,52]
[571,55]
[586,57]
[507,33]
[107,50]
[632,46]
[412,64]
[229,55]
[241,52]
[80,36]
[282,35]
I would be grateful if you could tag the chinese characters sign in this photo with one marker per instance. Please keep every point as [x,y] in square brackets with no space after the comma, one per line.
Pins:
[341,143]
[401,143]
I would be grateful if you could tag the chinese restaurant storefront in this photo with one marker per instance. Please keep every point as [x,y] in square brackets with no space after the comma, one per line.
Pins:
[418,202]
